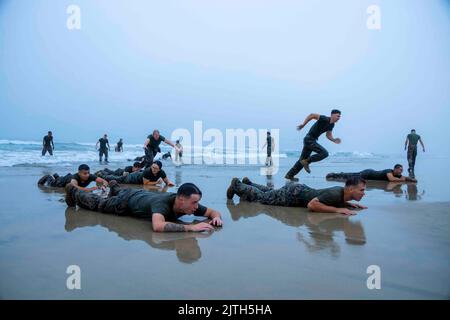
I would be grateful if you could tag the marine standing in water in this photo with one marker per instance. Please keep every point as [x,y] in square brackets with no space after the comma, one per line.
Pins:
[270,143]
[104,147]
[47,144]
[411,146]
[119,146]
[178,152]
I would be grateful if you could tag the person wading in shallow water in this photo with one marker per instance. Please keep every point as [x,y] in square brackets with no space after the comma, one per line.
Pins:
[47,144]
[411,146]
[104,147]
[270,144]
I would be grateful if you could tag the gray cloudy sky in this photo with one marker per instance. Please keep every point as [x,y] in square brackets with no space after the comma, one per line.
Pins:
[137,65]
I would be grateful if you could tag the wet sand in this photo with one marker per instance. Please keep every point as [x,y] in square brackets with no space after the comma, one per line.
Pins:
[262,252]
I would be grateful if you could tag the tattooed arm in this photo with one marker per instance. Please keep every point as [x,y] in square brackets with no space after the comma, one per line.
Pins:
[160,225]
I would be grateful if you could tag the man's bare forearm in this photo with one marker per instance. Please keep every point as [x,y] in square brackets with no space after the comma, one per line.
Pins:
[170,143]
[174,227]
[423,146]
[307,119]
[214,214]
[330,137]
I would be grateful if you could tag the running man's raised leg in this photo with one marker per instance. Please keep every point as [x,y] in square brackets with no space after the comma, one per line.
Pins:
[298,166]
[148,158]
[320,153]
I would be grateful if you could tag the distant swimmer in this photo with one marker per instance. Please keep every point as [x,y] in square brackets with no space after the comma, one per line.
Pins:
[80,180]
[137,166]
[104,147]
[392,175]
[333,200]
[411,146]
[152,176]
[119,146]
[163,209]
[178,152]
[47,144]
[151,146]
[310,144]
[270,144]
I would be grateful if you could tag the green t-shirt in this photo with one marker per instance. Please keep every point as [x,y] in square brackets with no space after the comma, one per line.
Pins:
[333,196]
[322,125]
[144,203]
[413,138]
[154,144]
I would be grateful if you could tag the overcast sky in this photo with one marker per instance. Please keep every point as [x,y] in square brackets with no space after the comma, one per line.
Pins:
[138,65]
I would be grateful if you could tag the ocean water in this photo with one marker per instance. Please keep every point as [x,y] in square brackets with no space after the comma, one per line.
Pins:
[17,153]
[265,252]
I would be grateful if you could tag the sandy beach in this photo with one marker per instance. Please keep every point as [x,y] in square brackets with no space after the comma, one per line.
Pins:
[262,252]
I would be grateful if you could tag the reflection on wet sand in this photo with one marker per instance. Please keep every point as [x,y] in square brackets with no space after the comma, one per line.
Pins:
[46,189]
[269,180]
[178,178]
[412,192]
[396,188]
[185,244]
[321,226]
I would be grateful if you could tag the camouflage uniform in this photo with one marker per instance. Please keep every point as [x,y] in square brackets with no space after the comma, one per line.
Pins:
[106,172]
[116,203]
[291,195]
[132,178]
[411,155]
[368,174]
[412,139]
[55,180]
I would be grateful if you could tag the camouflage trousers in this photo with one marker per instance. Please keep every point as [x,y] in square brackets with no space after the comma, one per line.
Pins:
[55,180]
[106,172]
[411,155]
[310,145]
[291,195]
[132,178]
[116,203]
